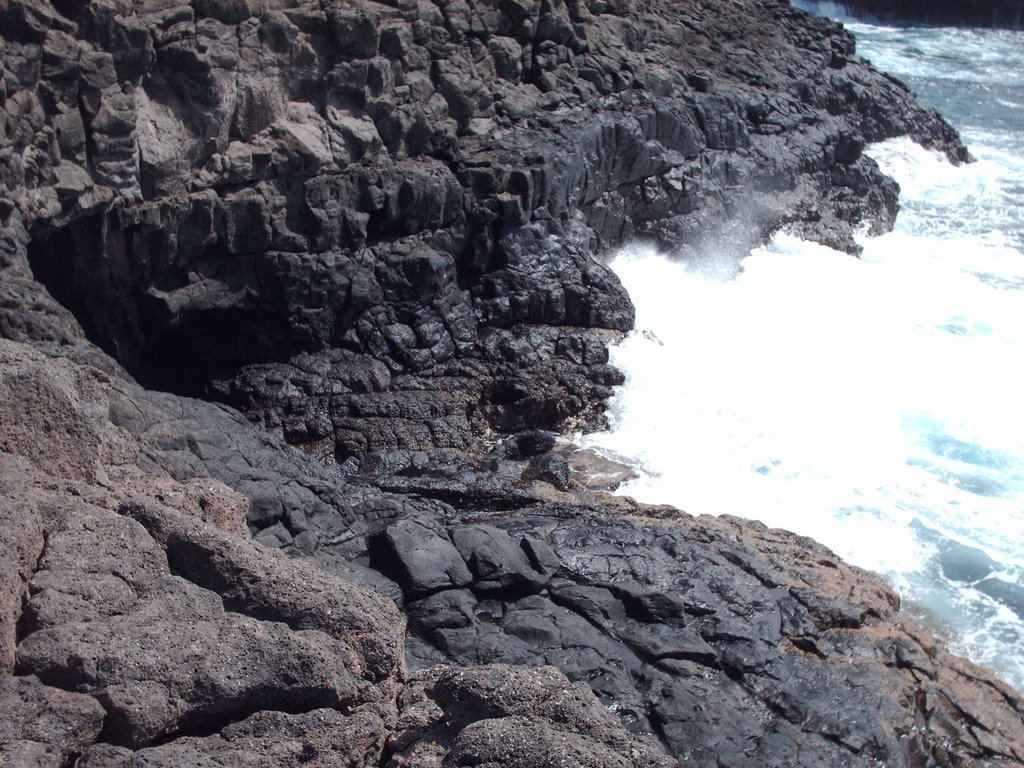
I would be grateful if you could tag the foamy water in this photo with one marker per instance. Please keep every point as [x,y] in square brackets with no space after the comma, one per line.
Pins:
[874,404]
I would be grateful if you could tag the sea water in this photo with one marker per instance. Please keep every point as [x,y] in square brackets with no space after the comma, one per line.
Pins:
[875,404]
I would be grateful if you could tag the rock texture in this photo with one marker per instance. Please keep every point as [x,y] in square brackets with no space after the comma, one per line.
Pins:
[375,230]
[501,715]
[44,726]
[140,634]
[372,225]
[158,639]
[734,644]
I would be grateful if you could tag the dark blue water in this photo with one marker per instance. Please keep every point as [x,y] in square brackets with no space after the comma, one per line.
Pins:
[975,78]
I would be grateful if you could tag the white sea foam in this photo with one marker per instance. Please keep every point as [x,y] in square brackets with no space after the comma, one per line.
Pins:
[873,404]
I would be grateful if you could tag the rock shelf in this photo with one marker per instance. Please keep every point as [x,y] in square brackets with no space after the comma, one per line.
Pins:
[295,298]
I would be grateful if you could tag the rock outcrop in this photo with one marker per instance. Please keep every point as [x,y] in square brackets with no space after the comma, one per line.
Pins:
[139,633]
[375,230]
[373,224]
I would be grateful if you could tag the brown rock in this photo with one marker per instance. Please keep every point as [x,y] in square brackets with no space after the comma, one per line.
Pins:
[162,668]
[159,652]
[264,584]
[44,727]
[52,412]
[522,742]
[319,739]
[206,499]
[501,715]
[21,543]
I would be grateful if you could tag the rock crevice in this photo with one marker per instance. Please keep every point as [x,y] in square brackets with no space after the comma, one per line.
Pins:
[216,192]
[376,231]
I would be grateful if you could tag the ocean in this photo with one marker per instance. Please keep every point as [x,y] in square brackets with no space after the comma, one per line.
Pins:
[875,404]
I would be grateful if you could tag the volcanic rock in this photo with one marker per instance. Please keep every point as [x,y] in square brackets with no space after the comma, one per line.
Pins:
[373,227]
[503,715]
[160,654]
[375,234]
[44,726]
[263,740]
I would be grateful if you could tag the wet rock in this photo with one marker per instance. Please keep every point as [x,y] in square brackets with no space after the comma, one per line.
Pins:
[550,468]
[378,231]
[1006,592]
[447,193]
[959,562]
[533,443]
[702,632]
[498,563]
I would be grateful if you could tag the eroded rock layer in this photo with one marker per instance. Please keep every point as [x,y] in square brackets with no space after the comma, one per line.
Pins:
[375,229]
[373,224]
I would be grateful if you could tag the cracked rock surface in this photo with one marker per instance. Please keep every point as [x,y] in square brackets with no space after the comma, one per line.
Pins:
[144,635]
[369,235]
[373,225]
[156,638]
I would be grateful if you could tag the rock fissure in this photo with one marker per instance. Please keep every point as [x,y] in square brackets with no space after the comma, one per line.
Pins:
[207,726]
[378,231]
[22,621]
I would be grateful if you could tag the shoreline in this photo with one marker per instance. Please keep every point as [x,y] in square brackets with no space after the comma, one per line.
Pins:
[366,235]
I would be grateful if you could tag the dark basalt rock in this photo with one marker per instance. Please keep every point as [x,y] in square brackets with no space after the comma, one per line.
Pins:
[254,199]
[719,640]
[420,559]
[704,634]
[376,230]
[531,443]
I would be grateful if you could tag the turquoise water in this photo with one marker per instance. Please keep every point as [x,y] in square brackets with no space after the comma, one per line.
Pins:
[874,404]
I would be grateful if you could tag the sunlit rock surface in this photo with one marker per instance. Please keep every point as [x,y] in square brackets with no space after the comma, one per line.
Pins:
[375,230]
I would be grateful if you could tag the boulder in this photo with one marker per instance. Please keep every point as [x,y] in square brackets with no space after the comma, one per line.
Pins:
[498,562]
[268,739]
[263,584]
[45,727]
[501,715]
[160,653]
[421,559]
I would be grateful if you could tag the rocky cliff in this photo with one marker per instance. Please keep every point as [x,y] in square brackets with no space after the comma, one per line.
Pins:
[369,237]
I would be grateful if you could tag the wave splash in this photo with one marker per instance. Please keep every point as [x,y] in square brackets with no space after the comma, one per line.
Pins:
[873,404]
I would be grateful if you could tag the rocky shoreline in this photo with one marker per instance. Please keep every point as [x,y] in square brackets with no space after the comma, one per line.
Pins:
[295,297]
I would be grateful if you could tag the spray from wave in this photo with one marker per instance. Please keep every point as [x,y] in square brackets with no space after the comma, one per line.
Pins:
[872,404]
